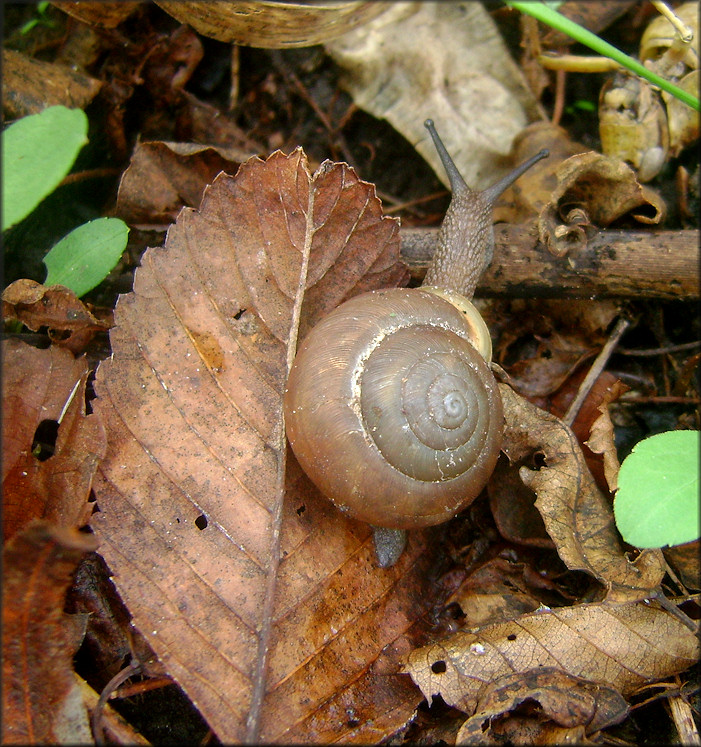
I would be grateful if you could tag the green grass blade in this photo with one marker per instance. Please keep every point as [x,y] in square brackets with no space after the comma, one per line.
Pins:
[557,21]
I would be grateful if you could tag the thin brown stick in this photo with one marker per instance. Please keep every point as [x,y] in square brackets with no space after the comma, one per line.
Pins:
[651,352]
[596,368]
[615,264]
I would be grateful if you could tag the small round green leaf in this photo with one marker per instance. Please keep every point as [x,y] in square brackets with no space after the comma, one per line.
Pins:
[37,153]
[657,502]
[83,259]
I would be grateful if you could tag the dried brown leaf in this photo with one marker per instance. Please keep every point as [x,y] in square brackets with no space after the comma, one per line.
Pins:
[601,437]
[40,386]
[620,646]
[29,86]
[494,592]
[577,516]
[71,324]
[687,563]
[40,700]
[593,190]
[270,613]
[104,14]
[568,701]
[163,177]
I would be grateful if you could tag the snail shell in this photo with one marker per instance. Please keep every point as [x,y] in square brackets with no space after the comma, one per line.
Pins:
[392,411]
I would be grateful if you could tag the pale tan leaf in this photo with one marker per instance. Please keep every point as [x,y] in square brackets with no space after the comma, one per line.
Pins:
[577,516]
[478,109]
[622,646]
[271,614]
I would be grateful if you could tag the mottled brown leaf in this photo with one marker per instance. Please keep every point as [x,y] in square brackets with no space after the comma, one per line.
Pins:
[495,591]
[104,14]
[46,386]
[577,516]
[164,177]
[622,646]
[71,324]
[40,700]
[568,701]
[270,613]
[29,86]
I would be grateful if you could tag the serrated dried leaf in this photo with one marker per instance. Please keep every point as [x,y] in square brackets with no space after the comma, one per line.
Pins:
[622,646]
[39,704]
[270,613]
[39,386]
[577,516]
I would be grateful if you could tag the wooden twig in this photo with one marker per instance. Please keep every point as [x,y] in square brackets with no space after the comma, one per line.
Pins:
[615,264]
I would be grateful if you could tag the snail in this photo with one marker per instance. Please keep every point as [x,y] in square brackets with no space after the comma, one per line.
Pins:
[391,408]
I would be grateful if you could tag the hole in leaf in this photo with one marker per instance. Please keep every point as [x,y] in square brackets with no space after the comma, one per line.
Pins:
[301,509]
[352,723]
[44,443]
[438,667]
[511,637]
[201,522]
[239,313]
[539,460]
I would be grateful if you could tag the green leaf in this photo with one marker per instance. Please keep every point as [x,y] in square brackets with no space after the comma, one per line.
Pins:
[37,152]
[83,259]
[657,502]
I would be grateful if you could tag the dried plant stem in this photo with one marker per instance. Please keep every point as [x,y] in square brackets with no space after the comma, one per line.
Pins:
[597,367]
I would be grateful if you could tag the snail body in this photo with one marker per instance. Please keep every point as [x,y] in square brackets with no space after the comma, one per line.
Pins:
[391,407]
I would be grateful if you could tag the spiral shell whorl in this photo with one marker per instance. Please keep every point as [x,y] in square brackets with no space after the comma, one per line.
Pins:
[423,444]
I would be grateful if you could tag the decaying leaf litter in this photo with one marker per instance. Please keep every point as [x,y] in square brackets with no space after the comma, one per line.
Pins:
[205,334]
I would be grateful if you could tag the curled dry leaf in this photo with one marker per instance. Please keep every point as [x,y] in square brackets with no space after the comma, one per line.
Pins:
[527,196]
[45,387]
[593,191]
[29,86]
[568,701]
[70,323]
[601,438]
[577,516]
[40,700]
[620,646]
[267,607]
[272,25]
[164,177]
